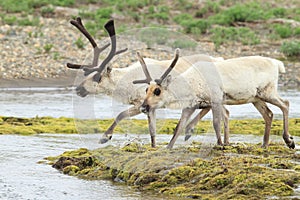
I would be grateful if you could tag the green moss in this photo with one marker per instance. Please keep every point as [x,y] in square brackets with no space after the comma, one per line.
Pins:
[36,125]
[134,147]
[237,172]
[71,170]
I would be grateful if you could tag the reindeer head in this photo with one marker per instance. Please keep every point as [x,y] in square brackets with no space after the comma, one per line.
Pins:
[156,88]
[95,71]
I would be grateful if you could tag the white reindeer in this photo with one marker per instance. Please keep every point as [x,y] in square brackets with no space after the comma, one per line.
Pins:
[117,82]
[251,79]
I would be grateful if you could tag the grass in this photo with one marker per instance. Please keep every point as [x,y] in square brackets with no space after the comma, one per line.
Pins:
[241,13]
[284,31]
[244,35]
[219,20]
[291,49]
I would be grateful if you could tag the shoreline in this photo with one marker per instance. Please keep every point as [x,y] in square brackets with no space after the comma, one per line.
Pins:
[66,80]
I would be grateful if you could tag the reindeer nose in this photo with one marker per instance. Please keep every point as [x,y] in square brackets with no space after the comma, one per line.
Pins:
[81,91]
[145,109]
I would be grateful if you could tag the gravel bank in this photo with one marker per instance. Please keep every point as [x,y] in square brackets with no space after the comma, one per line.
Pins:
[37,55]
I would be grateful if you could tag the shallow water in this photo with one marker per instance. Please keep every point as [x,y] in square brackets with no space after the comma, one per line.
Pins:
[57,102]
[21,177]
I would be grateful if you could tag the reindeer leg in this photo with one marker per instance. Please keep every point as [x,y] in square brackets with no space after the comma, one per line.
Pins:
[226,125]
[190,127]
[267,114]
[185,115]
[284,106]
[135,110]
[152,126]
[217,110]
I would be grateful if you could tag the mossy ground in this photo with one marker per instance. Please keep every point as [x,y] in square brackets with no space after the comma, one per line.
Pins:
[199,171]
[36,125]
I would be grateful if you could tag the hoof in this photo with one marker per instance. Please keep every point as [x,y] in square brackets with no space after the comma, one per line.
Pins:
[264,146]
[104,140]
[290,142]
[187,137]
[291,145]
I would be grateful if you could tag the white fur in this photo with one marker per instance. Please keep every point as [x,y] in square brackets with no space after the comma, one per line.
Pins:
[232,81]
[251,79]
[118,83]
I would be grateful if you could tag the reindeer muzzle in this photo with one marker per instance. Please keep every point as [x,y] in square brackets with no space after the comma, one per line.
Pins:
[145,109]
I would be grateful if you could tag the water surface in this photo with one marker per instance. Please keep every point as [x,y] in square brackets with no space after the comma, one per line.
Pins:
[57,102]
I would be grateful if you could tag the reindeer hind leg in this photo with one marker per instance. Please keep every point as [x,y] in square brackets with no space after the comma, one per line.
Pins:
[284,107]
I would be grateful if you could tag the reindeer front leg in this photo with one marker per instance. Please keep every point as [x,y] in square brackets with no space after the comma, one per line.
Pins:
[226,125]
[152,126]
[190,127]
[185,116]
[135,110]
[217,110]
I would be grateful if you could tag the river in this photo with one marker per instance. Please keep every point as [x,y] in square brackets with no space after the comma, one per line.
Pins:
[57,102]
[22,177]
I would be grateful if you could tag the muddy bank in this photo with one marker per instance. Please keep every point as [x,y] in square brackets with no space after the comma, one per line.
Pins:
[65,80]
[199,171]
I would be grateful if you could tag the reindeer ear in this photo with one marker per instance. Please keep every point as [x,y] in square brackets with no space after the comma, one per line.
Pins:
[165,83]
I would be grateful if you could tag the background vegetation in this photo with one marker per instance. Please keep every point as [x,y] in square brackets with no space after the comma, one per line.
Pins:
[222,22]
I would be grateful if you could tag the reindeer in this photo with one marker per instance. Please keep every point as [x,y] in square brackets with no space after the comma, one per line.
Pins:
[118,81]
[251,79]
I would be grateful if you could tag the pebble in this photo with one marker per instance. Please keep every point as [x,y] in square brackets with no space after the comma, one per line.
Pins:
[23,53]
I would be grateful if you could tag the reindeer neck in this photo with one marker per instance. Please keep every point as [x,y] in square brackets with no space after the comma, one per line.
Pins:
[110,82]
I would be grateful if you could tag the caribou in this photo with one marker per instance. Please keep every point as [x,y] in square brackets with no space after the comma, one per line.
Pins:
[251,79]
[117,82]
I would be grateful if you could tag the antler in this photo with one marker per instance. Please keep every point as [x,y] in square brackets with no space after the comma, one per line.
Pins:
[145,69]
[109,26]
[78,24]
[165,74]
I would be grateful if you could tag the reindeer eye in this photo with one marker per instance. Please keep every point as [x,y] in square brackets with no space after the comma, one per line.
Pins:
[156,92]
[146,90]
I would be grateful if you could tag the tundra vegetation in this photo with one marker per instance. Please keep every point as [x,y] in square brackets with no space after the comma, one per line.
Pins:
[222,22]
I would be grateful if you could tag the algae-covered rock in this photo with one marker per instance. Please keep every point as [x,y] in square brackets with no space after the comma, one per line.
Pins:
[202,172]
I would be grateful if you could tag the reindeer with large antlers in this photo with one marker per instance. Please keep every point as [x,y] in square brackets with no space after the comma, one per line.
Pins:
[251,79]
[117,82]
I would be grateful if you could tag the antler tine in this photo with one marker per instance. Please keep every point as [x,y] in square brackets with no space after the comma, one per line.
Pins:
[79,25]
[110,28]
[175,59]
[145,69]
